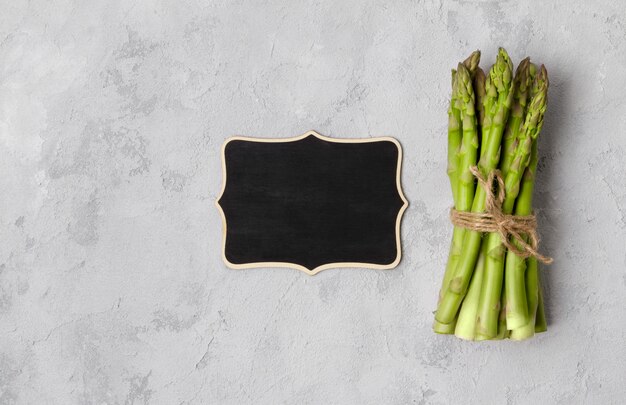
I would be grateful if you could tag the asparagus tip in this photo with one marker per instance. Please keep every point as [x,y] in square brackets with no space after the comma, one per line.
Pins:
[471,63]
[501,73]
[523,67]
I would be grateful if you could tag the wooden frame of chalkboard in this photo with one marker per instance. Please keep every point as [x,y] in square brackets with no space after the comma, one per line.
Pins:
[317,269]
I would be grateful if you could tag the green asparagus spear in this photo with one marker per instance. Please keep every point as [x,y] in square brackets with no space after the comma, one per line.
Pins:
[463,103]
[541,324]
[454,143]
[515,122]
[469,145]
[515,267]
[494,264]
[455,124]
[454,139]
[518,308]
[467,155]
[498,100]
[532,289]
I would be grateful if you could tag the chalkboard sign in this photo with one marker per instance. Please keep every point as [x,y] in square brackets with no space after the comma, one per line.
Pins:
[311,202]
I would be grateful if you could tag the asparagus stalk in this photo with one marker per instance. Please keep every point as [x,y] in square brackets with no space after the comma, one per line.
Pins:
[454,139]
[469,145]
[494,265]
[463,103]
[498,98]
[533,293]
[467,155]
[515,122]
[532,288]
[518,309]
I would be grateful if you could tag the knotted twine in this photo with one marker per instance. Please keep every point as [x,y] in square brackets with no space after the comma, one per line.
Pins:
[510,227]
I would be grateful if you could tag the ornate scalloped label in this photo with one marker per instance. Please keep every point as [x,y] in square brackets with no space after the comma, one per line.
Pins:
[311,202]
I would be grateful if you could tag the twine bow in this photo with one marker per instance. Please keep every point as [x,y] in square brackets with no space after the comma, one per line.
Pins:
[522,229]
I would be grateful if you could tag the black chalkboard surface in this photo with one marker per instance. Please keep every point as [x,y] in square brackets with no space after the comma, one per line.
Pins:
[311,202]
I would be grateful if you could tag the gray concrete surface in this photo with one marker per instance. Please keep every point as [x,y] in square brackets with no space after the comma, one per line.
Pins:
[112,289]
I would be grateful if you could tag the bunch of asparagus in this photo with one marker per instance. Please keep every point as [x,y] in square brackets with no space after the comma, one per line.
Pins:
[488,292]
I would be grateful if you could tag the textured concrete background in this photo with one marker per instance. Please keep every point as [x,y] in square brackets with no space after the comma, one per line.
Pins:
[111,285]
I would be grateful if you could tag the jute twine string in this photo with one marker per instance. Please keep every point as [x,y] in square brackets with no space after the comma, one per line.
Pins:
[510,227]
